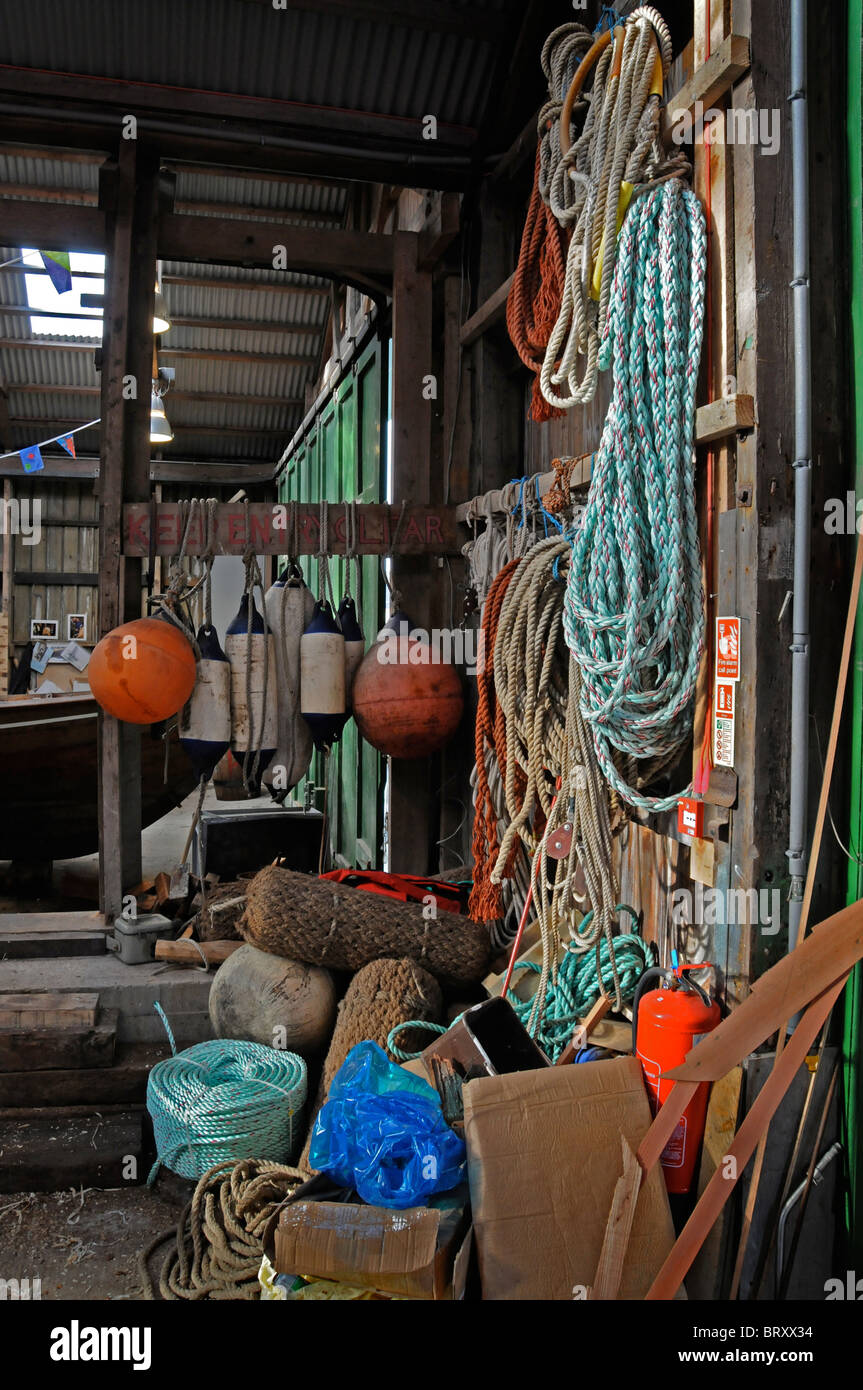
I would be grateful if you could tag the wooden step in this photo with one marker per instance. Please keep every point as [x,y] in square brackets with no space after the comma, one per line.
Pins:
[46,1152]
[123,1083]
[53,1049]
[41,1009]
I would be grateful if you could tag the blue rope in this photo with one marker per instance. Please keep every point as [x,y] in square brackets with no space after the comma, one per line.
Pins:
[608,19]
[633,614]
[223,1101]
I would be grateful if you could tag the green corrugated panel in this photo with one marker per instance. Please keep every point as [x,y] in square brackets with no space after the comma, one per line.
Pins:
[341,458]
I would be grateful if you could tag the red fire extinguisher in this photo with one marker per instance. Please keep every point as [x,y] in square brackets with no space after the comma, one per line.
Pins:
[666,1023]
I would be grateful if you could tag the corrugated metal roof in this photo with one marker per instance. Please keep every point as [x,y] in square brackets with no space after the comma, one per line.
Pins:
[232,46]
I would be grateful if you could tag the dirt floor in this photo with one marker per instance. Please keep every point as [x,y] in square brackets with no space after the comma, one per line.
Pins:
[82,1245]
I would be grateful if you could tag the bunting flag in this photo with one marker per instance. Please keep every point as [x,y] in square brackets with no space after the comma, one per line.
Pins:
[57,265]
[32,459]
[68,442]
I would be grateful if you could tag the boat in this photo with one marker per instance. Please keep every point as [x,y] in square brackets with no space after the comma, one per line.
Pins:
[49,785]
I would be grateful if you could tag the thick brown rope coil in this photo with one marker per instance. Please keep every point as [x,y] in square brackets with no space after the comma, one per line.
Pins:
[217,1247]
[379,997]
[324,923]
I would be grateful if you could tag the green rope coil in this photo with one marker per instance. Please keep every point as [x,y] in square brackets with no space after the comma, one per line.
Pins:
[225,1101]
[571,992]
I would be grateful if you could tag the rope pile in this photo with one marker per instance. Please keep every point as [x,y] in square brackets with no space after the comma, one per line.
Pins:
[567,999]
[217,1247]
[589,182]
[223,1101]
[634,605]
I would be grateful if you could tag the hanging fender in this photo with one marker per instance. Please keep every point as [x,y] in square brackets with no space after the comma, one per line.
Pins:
[205,722]
[264,721]
[289,605]
[322,677]
[355,643]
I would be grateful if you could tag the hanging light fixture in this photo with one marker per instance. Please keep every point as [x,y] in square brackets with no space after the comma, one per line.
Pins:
[160,429]
[161,317]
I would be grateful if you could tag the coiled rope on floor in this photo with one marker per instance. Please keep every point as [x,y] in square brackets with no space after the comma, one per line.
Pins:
[567,998]
[217,1244]
[634,616]
[223,1101]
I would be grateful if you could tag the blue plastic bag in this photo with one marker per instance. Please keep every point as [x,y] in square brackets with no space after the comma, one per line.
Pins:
[382,1131]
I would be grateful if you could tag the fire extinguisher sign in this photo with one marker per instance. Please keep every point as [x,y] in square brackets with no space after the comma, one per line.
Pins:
[728,649]
[725,697]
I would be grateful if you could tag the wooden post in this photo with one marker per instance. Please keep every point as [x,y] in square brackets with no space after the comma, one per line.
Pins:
[124,477]
[410,808]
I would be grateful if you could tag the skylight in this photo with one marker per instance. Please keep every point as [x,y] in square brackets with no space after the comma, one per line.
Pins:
[41,294]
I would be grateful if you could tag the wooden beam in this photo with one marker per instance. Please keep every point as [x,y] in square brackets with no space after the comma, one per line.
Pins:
[244,431]
[200,471]
[492,311]
[436,239]
[215,282]
[313,251]
[411,789]
[274,359]
[424,530]
[29,388]
[30,223]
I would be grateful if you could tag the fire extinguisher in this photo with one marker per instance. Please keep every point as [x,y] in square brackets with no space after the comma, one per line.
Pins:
[666,1024]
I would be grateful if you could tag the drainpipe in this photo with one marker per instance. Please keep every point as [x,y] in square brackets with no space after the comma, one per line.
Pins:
[798,794]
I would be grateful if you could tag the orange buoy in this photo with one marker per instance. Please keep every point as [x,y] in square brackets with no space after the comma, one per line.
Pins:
[143,671]
[406,703]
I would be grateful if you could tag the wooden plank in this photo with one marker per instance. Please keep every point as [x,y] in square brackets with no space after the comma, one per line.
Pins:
[705,1279]
[34,922]
[187,952]
[89,1149]
[609,1271]
[124,1082]
[37,1009]
[712,80]
[424,529]
[727,416]
[47,1049]
[48,945]
[489,313]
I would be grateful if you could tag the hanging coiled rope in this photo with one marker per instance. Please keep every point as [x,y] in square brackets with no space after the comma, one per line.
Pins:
[634,604]
[223,1101]
[590,179]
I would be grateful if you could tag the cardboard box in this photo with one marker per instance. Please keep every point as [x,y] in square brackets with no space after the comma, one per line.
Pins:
[410,1252]
[543,1160]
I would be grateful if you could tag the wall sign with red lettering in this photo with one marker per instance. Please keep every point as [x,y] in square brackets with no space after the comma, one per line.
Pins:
[724,702]
[381,529]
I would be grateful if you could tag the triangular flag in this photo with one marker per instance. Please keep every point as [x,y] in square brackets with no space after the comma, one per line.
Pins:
[32,459]
[68,442]
[57,265]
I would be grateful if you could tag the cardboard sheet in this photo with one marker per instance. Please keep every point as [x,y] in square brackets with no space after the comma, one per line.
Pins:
[544,1156]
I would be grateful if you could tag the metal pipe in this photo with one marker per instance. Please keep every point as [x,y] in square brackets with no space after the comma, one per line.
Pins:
[800,644]
[820,1168]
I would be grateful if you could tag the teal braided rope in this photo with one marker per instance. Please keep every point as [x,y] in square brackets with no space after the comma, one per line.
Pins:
[634,607]
[569,996]
[223,1101]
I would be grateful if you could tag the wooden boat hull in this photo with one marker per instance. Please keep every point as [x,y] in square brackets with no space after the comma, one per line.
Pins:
[49,786]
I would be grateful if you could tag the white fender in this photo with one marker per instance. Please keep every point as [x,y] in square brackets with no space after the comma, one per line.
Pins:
[289,607]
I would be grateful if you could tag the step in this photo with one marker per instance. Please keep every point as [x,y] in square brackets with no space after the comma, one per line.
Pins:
[123,1083]
[44,1153]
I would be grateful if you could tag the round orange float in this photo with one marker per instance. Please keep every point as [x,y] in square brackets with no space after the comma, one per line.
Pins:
[405,703]
[143,671]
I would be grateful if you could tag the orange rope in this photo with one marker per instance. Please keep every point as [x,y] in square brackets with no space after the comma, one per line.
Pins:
[485,899]
[535,296]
